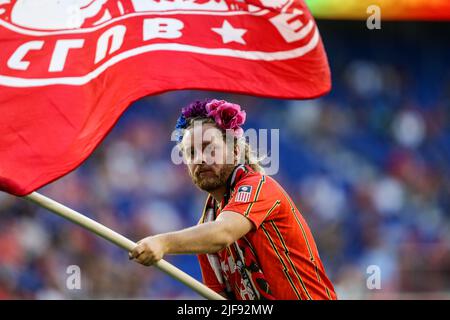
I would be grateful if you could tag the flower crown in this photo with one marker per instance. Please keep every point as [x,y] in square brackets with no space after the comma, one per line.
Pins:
[226,115]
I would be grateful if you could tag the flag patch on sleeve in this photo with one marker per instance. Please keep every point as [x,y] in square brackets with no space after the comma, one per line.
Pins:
[243,194]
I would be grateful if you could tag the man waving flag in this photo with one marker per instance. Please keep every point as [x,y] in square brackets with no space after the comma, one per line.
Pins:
[69,68]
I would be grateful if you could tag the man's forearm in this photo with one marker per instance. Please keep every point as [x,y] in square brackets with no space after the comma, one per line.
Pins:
[208,237]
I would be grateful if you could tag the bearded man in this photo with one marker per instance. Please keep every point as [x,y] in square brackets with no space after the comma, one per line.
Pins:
[252,242]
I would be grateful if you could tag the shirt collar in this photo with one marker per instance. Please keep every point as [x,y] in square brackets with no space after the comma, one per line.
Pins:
[237,174]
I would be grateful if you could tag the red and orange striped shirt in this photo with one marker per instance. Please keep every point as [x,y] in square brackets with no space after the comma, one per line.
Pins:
[281,243]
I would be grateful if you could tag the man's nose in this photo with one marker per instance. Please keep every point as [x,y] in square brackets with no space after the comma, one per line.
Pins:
[198,158]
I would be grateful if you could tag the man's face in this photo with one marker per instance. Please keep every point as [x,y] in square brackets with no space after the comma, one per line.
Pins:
[209,160]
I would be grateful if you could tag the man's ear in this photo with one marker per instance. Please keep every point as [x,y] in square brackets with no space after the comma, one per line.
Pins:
[181,149]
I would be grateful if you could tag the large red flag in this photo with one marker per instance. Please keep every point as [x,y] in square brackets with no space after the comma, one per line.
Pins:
[69,68]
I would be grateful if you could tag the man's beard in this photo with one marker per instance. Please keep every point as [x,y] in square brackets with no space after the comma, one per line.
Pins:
[211,181]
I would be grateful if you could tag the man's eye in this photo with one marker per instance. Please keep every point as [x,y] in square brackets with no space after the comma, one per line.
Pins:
[191,155]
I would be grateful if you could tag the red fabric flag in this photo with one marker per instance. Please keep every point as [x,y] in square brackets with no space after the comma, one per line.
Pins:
[69,68]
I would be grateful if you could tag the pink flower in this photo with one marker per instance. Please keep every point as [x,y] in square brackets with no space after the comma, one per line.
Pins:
[227,115]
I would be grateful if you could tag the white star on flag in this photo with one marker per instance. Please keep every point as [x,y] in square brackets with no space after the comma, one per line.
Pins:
[230,34]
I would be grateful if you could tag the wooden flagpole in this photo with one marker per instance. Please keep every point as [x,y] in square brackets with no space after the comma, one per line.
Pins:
[120,241]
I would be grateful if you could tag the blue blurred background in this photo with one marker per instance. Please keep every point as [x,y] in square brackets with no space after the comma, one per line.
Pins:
[368,165]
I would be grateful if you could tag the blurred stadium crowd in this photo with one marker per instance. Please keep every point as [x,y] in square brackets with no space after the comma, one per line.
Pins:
[368,165]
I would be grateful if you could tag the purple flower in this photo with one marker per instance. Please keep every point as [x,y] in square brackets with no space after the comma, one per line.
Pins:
[195,109]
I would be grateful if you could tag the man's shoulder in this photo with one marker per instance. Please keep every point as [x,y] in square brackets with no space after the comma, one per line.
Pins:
[257,179]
